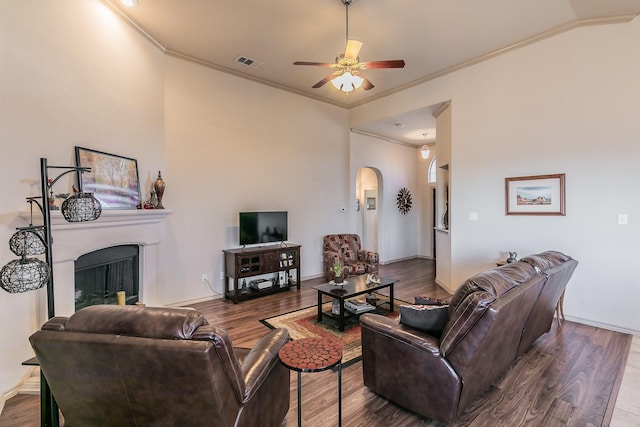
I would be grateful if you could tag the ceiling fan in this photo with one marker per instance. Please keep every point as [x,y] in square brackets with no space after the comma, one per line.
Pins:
[348,75]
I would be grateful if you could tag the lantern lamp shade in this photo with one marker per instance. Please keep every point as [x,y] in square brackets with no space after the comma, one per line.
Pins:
[81,207]
[24,274]
[28,242]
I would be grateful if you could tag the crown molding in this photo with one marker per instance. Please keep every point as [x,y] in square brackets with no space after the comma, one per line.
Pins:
[617,19]
[245,76]
[117,9]
[584,22]
[395,141]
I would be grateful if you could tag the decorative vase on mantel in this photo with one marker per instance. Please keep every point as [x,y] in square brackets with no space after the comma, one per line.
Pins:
[158,186]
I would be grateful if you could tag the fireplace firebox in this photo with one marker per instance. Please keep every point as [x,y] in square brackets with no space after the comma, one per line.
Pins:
[99,275]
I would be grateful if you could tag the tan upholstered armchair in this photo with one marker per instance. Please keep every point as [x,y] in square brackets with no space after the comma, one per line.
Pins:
[347,249]
[110,365]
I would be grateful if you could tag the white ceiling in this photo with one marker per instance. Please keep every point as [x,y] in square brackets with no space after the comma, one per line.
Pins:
[432,36]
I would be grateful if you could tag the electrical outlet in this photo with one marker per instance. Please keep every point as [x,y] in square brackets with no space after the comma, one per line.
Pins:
[205,278]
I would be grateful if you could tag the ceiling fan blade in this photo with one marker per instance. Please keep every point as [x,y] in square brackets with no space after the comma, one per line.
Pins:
[366,84]
[324,81]
[319,64]
[396,63]
[352,50]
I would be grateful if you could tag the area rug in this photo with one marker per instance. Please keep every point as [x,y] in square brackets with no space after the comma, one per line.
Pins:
[303,323]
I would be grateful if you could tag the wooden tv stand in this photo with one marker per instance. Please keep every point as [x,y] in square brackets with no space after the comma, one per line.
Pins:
[242,264]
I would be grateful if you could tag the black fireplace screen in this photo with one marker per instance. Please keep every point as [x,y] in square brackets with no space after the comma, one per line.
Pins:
[101,274]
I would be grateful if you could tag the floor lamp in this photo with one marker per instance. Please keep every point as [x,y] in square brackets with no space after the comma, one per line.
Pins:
[29,273]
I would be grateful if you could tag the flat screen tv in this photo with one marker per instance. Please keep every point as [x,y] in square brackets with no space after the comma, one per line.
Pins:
[262,227]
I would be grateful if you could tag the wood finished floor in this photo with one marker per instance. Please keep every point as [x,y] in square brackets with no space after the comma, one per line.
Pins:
[570,377]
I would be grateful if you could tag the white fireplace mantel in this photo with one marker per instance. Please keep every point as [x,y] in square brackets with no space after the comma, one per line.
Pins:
[114,227]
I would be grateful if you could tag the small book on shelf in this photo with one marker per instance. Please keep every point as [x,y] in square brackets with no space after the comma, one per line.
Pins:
[358,306]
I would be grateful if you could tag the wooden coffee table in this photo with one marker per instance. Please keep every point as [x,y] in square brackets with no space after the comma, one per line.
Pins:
[354,287]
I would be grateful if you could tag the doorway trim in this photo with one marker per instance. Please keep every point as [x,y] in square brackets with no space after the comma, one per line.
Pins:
[364,186]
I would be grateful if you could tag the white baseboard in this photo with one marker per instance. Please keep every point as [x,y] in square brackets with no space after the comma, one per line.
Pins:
[34,371]
[391,261]
[31,385]
[193,301]
[603,325]
[444,287]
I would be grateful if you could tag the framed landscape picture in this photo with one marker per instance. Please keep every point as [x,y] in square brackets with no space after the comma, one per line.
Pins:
[535,195]
[113,179]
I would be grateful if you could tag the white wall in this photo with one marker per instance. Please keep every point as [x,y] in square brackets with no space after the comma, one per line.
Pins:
[235,145]
[398,233]
[71,73]
[569,105]
[425,219]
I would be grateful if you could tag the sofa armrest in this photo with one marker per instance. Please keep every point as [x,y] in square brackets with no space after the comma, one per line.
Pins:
[405,334]
[332,258]
[55,324]
[368,256]
[257,365]
[405,365]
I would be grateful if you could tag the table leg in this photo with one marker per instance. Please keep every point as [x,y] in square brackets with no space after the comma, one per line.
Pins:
[341,315]
[319,307]
[49,416]
[391,298]
[299,399]
[340,393]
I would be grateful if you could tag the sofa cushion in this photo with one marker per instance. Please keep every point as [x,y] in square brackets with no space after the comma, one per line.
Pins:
[475,295]
[428,318]
[462,319]
[496,281]
[425,300]
[546,260]
[356,269]
[348,254]
[150,322]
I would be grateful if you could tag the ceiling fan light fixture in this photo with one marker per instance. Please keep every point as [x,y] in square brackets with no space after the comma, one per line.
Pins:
[347,82]
[343,79]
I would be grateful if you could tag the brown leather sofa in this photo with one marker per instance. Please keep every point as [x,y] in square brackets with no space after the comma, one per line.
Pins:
[110,365]
[494,317]
[347,250]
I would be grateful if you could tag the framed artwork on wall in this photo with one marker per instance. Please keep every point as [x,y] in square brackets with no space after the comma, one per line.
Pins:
[371,203]
[535,195]
[113,179]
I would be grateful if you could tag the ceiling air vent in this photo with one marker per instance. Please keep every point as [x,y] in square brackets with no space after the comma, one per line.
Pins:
[248,62]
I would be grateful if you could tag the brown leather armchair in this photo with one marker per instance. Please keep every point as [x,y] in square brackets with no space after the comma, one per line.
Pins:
[110,365]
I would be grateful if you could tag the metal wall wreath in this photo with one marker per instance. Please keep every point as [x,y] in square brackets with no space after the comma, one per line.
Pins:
[404,201]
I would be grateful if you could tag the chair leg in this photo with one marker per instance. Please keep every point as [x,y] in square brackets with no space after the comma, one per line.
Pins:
[560,310]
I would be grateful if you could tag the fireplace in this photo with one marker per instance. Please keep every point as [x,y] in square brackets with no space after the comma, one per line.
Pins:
[137,227]
[100,274]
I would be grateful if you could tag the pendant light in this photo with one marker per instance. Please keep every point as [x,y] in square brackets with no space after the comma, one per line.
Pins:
[424,151]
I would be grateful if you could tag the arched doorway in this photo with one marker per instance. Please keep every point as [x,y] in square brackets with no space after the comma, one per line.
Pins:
[368,184]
